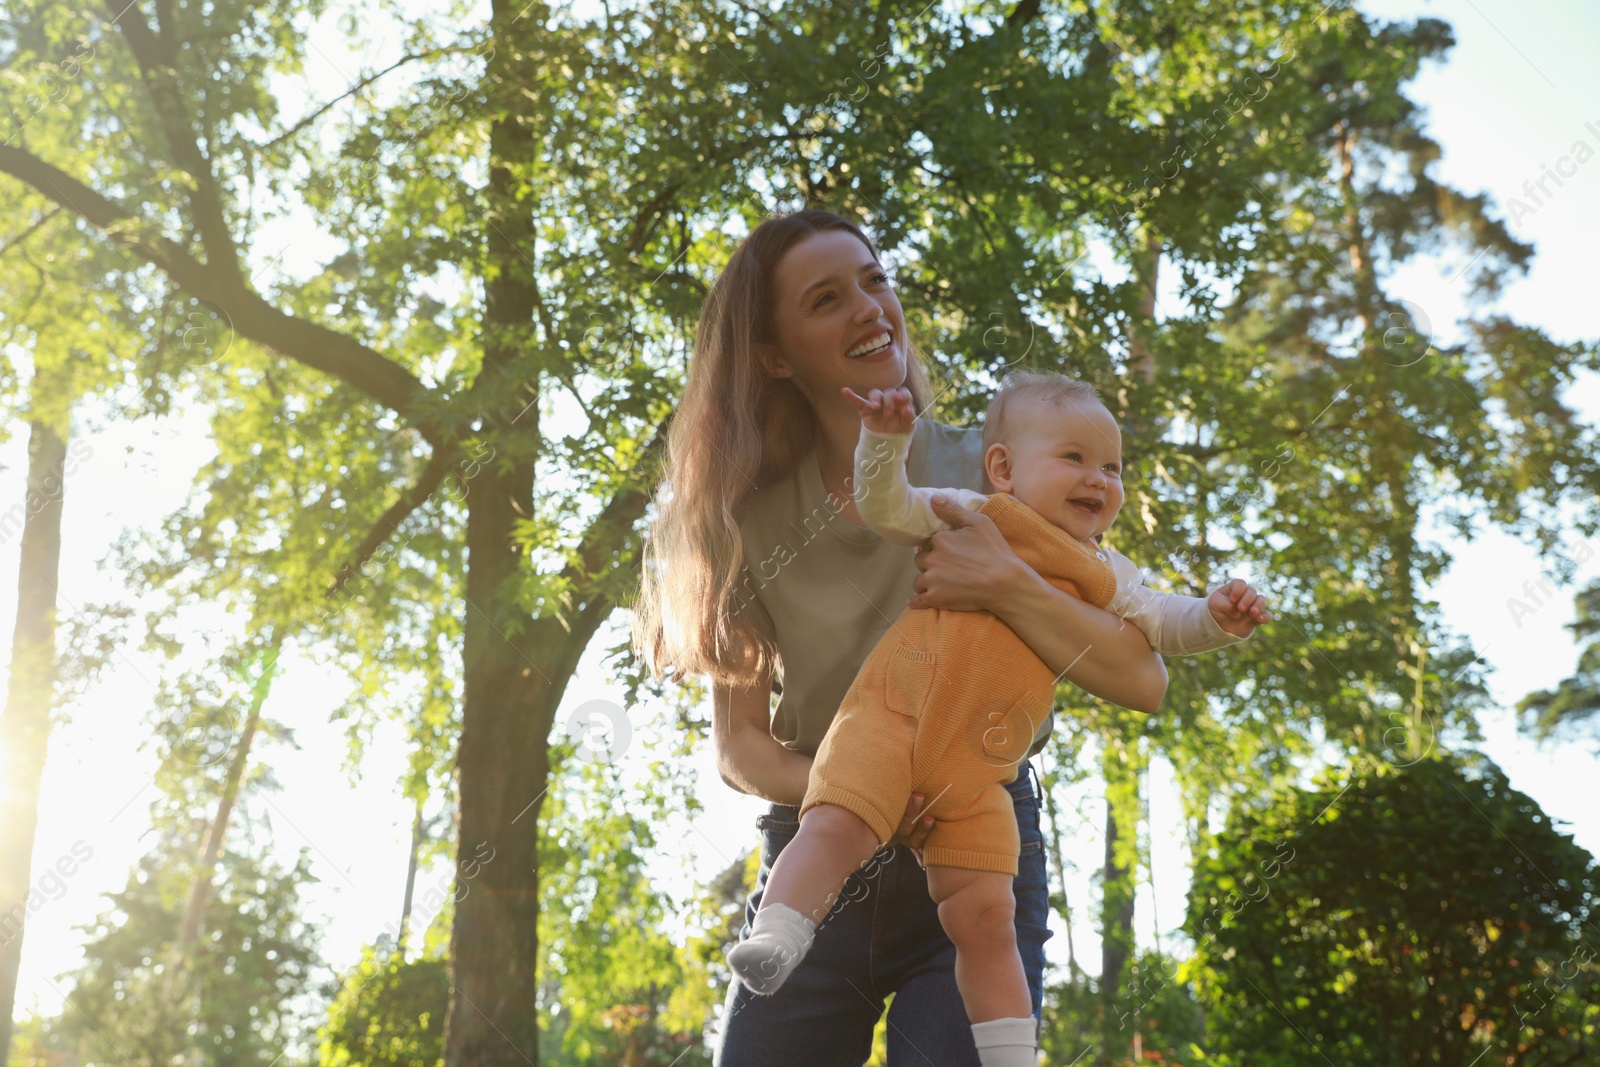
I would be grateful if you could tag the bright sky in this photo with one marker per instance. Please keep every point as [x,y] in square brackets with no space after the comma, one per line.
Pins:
[1519,92]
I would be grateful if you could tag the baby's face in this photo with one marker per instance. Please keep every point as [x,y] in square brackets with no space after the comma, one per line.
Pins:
[1065,463]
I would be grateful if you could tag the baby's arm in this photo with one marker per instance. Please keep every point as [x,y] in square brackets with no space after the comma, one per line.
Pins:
[886,499]
[1175,625]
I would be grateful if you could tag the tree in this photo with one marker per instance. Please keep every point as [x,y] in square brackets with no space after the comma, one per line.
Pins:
[462,308]
[526,214]
[1307,424]
[388,1013]
[617,986]
[1424,915]
[239,1007]
[204,955]
[30,695]
[1576,701]
[1158,1019]
[193,926]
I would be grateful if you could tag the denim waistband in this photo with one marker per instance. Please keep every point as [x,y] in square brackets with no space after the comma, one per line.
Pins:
[1025,772]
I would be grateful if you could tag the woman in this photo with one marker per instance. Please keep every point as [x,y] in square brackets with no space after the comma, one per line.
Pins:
[758,565]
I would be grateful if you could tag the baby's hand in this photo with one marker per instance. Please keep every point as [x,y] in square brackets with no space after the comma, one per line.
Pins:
[1238,608]
[883,410]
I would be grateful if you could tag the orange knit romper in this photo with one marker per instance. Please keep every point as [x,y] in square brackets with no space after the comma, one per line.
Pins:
[947,704]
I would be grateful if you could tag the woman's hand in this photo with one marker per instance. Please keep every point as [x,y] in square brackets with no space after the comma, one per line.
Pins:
[883,410]
[913,831]
[971,567]
[966,568]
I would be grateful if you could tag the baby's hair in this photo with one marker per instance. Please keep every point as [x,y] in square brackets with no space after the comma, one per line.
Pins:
[1023,384]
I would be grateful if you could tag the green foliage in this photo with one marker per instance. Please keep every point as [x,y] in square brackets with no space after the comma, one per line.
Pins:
[387,1013]
[236,1005]
[988,147]
[32,1043]
[1575,702]
[1422,915]
[1152,1007]
[618,987]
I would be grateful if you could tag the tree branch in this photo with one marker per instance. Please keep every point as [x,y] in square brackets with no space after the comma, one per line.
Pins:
[156,59]
[686,278]
[777,30]
[1023,13]
[644,222]
[612,529]
[22,238]
[356,88]
[247,313]
[389,522]
[167,29]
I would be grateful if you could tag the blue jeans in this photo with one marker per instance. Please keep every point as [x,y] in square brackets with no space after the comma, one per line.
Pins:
[883,936]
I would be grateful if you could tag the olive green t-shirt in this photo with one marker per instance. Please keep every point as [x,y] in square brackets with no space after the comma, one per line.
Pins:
[826,589]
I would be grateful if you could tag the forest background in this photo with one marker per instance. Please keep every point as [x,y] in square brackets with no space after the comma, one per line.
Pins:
[301,302]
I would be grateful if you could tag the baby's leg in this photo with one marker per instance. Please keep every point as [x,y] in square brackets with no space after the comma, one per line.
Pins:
[801,888]
[809,872]
[978,911]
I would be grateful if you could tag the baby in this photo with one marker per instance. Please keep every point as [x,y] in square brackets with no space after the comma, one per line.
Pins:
[948,702]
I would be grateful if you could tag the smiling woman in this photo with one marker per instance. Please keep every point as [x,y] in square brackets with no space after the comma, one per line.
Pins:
[762,395]
[845,307]
[763,443]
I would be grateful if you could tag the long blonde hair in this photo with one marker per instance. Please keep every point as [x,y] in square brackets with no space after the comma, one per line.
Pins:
[737,431]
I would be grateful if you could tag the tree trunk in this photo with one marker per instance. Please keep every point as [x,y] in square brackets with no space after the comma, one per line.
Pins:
[418,829]
[1117,887]
[1397,448]
[1120,752]
[501,773]
[510,697]
[194,915]
[1141,360]
[515,667]
[515,676]
[25,727]
[1117,907]
[1061,876]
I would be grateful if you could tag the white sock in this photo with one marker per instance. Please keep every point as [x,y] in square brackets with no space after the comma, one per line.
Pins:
[779,939]
[1006,1042]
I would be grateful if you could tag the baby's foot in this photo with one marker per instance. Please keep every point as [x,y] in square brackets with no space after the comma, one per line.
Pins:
[779,939]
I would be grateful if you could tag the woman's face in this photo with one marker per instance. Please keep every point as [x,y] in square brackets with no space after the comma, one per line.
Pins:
[837,319]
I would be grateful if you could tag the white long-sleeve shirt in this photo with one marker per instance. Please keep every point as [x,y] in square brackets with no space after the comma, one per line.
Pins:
[901,512]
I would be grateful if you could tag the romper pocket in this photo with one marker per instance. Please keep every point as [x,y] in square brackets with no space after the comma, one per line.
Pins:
[908,679]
